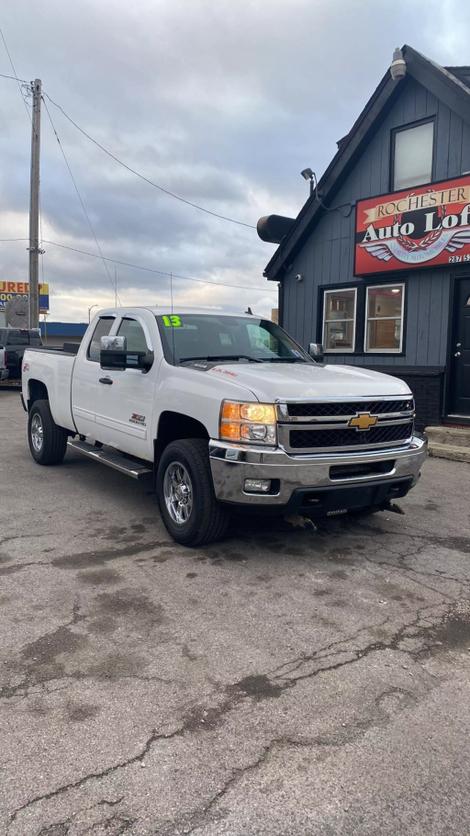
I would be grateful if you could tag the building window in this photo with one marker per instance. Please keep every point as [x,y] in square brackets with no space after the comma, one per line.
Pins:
[384,318]
[412,156]
[339,319]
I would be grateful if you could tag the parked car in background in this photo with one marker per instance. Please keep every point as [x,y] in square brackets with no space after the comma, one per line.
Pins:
[13,343]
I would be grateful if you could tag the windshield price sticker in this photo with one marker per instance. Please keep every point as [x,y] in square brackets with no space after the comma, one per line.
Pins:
[172,321]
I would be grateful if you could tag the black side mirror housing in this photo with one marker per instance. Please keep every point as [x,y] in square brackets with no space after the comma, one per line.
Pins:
[114,354]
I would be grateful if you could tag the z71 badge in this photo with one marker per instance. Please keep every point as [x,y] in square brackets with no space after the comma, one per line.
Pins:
[137,419]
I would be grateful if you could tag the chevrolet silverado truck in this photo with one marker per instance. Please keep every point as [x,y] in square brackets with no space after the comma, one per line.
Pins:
[224,411]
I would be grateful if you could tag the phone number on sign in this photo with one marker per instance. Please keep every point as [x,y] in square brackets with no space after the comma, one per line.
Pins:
[458,259]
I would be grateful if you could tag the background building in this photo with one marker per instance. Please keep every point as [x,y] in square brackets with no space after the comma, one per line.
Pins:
[58,333]
[377,264]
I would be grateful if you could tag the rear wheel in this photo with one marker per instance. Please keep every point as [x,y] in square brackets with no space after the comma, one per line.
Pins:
[186,496]
[47,441]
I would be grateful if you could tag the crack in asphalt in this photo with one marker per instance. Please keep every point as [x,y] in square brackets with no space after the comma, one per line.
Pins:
[103,773]
[18,567]
[191,822]
[201,717]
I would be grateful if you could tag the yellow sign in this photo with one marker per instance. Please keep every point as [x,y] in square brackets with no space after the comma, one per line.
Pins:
[363,421]
[10,290]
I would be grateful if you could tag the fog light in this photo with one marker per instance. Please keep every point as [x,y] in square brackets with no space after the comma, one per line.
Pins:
[257,485]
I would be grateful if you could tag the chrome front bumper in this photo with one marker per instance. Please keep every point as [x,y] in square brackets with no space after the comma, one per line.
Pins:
[231,464]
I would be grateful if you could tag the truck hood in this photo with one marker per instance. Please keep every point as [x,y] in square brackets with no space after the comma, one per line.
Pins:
[295,381]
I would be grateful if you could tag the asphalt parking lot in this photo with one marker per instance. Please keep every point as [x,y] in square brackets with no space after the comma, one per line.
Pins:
[285,681]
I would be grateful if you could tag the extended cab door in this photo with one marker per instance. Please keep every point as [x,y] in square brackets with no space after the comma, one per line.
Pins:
[86,376]
[125,398]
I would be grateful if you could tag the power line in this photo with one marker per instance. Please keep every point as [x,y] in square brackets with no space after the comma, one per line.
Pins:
[82,202]
[15,75]
[143,177]
[143,267]
[158,272]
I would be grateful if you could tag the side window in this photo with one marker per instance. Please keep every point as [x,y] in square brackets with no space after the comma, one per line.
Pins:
[102,329]
[134,333]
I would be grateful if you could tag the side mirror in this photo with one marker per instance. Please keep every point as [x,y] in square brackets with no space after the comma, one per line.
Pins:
[114,354]
[316,351]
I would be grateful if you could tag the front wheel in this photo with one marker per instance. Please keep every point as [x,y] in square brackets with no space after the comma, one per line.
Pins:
[186,496]
[47,441]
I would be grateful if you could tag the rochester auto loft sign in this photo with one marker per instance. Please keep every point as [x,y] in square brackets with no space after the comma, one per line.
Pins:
[10,290]
[420,227]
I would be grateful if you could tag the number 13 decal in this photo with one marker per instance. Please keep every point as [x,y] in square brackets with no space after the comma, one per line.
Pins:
[172,321]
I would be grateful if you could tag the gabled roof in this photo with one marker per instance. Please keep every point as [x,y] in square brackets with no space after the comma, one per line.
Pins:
[449,84]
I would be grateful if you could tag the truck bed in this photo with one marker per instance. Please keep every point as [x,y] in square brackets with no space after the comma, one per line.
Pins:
[52,367]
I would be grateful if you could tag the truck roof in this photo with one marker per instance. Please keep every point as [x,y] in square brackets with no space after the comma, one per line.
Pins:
[168,309]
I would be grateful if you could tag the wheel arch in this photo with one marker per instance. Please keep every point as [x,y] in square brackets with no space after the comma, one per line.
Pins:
[176,425]
[37,391]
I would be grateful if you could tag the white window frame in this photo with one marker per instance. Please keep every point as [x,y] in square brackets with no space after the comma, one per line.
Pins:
[354,321]
[368,319]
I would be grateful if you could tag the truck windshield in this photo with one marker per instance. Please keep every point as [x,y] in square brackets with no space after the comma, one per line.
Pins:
[217,338]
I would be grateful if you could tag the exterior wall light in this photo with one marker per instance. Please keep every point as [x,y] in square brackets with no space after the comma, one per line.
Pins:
[398,65]
[308,174]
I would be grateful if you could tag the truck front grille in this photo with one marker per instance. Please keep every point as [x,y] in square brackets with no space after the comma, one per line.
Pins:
[351,437]
[322,410]
[334,426]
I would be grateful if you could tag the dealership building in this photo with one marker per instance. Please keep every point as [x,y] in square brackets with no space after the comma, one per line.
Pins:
[377,264]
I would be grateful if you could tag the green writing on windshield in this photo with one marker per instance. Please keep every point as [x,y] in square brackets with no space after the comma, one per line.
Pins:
[172,321]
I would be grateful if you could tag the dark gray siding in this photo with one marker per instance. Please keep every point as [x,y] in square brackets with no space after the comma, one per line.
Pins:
[328,256]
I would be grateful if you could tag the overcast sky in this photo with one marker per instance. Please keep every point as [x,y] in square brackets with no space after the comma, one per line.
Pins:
[222,102]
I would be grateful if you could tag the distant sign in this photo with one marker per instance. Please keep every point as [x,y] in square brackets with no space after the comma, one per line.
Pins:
[420,227]
[11,290]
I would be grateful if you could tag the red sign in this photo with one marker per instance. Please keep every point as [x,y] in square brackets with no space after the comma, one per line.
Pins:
[420,227]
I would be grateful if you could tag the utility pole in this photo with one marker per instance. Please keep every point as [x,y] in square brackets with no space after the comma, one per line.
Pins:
[34,207]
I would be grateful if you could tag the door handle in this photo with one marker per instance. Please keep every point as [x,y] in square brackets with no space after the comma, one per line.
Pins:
[458,354]
[106,380]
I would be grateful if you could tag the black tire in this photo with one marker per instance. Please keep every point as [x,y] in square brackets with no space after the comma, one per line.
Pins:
[51,450]
[207,520]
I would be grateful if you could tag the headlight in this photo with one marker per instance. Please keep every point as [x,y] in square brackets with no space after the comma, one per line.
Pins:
[255,422]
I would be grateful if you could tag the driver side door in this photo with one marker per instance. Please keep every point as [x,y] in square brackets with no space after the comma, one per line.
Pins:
[126,396]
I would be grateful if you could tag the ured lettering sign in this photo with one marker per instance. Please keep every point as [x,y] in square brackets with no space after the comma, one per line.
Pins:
[9,290]
[420,227]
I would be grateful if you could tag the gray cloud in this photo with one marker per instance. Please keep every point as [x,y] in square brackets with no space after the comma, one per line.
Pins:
[222,102]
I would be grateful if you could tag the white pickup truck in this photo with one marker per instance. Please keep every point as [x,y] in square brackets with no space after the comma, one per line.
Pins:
[224,410]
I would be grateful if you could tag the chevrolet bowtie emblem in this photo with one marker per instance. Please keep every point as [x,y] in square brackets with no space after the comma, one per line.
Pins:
[363,421]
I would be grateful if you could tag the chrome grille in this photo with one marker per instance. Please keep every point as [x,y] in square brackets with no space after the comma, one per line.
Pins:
[310,427]
[306,410]
[350,437]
